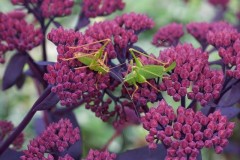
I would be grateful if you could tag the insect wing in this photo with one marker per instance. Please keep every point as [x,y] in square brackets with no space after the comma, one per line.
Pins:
[86,59]
[171,67]
[151,71]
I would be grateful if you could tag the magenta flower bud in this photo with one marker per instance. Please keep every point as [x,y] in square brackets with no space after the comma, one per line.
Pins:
[161,135]
[198,135]
[223,142]
[184,143]
[187,150]
[218,149]
[167,141]
[199,144]
[171,152]
[152,145]
[181,118]
[149,138]
[168,131]
[208,144]
[192,144]
[177,134]
[186,128]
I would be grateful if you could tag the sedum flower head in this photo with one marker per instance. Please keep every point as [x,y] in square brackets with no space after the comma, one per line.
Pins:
[6,128]
[16,33]
[94,8]
[55,139]
[72,85]
[71,79]
[56,8]
[187,132]
[134,21]
[192,68]
[168,35]
[47,8]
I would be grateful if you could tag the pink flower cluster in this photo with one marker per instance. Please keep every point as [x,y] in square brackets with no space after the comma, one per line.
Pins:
[16,33]
[100,155]
[6,129]
[226,39]
[56,8]
[73,84]
[47,8]
[135,22]
[231,56]
[192,68]
[168,35]
[123,30]
[186,133]
[222,35]
[70,82]
[56,138]
[94,8]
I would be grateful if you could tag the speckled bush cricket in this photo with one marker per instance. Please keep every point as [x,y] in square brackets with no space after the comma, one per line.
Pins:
[141,73]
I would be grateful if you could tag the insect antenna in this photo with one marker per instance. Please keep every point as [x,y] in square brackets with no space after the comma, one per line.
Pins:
[104,40]
[160,62]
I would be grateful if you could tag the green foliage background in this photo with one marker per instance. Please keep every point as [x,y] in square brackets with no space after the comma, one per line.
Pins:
[14,104]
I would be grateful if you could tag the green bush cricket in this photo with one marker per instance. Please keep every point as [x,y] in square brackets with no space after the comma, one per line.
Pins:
[94,61]
[141,73]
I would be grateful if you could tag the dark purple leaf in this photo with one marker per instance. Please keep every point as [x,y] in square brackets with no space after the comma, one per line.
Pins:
[41,64]
[20,81]
[57,24]
[49,101]
[74,150]
[205,110]
[10,154]
[44,63]
[14,70]
[231,97]
[82,22]
[145,153]
[139,49]
[230,112]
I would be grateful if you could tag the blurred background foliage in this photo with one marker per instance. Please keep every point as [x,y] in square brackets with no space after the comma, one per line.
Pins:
[15,103]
